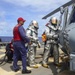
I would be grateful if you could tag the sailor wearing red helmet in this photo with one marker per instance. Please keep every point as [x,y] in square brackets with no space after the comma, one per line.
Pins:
[20,39]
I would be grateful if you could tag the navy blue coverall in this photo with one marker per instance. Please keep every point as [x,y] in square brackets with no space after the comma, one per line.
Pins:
[20,49]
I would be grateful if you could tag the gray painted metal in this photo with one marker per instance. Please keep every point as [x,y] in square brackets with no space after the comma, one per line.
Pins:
[58,9]
[72,62]
[65,17]
[67,34]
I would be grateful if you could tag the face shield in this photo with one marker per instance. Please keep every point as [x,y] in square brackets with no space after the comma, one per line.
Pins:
[53,21]
[35,24]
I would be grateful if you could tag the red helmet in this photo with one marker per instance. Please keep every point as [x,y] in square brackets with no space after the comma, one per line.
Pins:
[21,19]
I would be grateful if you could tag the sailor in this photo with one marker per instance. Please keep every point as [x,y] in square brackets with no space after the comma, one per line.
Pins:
[20,39]
[51,42]
[32,33]
[44,39]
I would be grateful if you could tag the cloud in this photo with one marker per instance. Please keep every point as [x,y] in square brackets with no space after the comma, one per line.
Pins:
[38,5]
[5,29]
[10,10]
[2,13]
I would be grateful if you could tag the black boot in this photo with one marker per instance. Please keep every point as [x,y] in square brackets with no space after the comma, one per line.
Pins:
[26,71]
[17,69]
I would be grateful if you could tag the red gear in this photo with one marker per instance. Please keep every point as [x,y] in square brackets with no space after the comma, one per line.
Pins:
[11,45]
[16,33]
[21,19]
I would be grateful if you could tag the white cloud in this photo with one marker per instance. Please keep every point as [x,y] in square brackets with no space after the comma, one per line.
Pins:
[3,24]
[2,13]
[5,29]
[40,5]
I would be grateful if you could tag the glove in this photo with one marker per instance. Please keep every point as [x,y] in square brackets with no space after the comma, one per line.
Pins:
[36,39]
[44,37]
[39,45]
[55,36]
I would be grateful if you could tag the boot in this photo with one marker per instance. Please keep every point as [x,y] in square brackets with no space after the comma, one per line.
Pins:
[34,66]
[58,65]
[17,69]
[26,71]
[45,65]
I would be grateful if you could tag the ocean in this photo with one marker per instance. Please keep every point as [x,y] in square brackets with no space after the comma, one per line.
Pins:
[5,38]
[9,38]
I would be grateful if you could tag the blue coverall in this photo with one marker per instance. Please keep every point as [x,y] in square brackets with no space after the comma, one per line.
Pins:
[20,49]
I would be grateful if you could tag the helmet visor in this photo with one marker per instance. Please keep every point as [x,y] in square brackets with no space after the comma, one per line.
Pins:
[36,25]
[54,21]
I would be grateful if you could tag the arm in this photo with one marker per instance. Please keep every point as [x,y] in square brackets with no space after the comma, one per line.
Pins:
[28,33]
[47,32]
[32,38]
[54,28]
[39,44]
[23,35]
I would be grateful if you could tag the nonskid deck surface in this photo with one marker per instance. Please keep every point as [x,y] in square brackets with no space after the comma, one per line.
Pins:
[6,68]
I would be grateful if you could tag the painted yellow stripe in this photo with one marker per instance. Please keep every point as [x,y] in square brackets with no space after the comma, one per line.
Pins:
[2,50]
[2,55]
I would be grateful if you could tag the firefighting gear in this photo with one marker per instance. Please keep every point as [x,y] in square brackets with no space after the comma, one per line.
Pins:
[45,65]
[34,24]
[58,65]
[34,66]
[53,21]
[47,52]
[51,33]
[44,38]
[52,41]
[32,33]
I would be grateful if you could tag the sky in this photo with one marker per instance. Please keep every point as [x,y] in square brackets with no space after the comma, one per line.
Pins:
[30,10]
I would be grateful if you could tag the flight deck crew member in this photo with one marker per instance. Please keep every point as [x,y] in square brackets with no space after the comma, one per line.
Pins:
[52,39]
[20,39]
[32,33]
